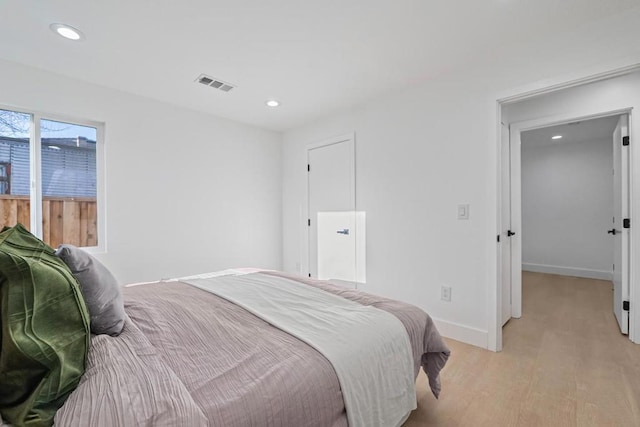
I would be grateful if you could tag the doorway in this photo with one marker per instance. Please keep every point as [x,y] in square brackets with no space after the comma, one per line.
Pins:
[572,205]
[604,91]
[563,198]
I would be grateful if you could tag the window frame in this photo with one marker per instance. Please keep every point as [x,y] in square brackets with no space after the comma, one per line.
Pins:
[35,171]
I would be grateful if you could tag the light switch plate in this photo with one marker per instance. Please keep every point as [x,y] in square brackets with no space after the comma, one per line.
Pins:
[463,211]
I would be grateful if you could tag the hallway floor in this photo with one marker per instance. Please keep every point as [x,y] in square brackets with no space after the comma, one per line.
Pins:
[564,363]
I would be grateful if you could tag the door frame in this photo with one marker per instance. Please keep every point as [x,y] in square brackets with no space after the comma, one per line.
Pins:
[494,222]
[515,133]
[350,139]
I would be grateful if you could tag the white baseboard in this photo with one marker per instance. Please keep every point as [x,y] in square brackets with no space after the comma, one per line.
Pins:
[465,334]
[568,271]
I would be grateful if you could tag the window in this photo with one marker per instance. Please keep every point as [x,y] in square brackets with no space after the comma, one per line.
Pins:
[50,176]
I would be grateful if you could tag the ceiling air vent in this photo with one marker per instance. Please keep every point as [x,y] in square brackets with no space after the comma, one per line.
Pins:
[214,83]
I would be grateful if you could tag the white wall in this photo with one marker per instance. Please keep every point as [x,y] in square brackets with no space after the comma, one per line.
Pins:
[421,152]
[186,192]
[567,204]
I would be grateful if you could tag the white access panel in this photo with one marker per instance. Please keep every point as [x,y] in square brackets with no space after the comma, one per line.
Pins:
[341,246]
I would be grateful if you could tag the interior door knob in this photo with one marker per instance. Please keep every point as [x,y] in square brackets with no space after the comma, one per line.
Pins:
[612,231]
[510,233]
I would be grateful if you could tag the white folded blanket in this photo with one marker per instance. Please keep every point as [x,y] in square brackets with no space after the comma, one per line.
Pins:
[368,348]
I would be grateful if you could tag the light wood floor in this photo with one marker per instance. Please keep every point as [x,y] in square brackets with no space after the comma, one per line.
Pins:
[564,363]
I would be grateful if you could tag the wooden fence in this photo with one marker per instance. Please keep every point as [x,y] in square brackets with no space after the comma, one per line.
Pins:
[64,220]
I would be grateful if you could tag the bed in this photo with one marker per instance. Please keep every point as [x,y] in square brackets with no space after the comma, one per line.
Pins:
[236,348]
[189,357]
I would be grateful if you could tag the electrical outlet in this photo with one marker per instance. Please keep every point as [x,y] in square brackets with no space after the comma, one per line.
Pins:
[445,293]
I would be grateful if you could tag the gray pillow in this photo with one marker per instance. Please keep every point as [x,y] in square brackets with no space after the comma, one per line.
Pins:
[100,290]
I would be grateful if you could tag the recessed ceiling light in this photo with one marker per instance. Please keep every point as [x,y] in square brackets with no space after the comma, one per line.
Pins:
[272,103]
[556,137]
[67,31]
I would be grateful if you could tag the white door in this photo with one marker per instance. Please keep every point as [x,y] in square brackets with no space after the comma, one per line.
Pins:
[619,232]
[505,240]
[331,171]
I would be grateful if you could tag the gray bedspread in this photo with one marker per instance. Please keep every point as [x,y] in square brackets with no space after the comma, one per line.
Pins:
[189,358]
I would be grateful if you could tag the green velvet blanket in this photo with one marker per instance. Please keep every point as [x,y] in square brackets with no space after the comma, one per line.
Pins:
[44,330]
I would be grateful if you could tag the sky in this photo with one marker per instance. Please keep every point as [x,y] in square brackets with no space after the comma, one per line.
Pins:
[51,129]
[20,124]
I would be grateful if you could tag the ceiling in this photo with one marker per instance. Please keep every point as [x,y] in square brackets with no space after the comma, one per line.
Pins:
[582,131]
[317,58]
